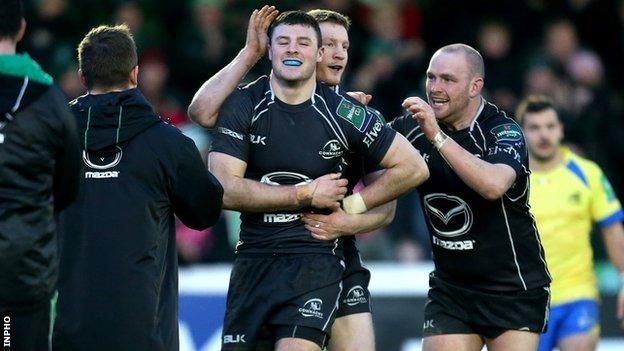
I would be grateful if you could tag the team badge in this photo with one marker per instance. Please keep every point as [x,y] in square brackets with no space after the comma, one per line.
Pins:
[507,132]
[353,113]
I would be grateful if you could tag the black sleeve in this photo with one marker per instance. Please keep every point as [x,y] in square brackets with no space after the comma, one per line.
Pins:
[232,130]
[365,130]
[67,163]
[197,196]
[505,144]
[398,124]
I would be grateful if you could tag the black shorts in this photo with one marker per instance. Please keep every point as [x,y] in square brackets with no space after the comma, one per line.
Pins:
[273,297]
[355,297]
[26,329]
[452,309]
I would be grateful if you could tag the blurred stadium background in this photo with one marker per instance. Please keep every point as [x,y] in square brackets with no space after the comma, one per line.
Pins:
[572,50]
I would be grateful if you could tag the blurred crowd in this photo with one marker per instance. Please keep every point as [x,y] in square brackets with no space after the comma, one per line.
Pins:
[571,50]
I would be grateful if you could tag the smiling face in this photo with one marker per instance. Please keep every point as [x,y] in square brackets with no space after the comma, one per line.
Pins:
[294,52]
[451,85]
[335,53]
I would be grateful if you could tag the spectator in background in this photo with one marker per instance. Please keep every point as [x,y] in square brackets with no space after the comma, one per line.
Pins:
[593,121]
[503,76]
[389,58]
[69,82]
[561,43]
[53,28]
[205,48]
[153,78]
[146,34]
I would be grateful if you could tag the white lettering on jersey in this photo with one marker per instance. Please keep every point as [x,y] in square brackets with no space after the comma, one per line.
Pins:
[257,139]
[372,135]
[230,133]
[101,175]
[281,217]
[454,245]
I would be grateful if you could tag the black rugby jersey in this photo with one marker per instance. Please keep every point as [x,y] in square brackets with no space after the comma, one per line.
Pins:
[481,244]
[290,144]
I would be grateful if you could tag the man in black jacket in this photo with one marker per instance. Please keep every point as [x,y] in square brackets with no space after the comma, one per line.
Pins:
[118,279]
[39,161]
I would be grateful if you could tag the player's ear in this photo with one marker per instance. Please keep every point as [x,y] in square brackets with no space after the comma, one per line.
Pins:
[476,86]
[319,56]
[134,76]
[83,79]
[21,31]
[269,51]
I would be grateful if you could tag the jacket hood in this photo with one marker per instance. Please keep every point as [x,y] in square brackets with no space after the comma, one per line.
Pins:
[22,81]
[107,122]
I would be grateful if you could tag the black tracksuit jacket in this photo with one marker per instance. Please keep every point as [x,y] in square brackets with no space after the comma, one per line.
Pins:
[118,283]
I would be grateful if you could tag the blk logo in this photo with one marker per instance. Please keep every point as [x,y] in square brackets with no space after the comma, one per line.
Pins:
[234,339]
[257,139]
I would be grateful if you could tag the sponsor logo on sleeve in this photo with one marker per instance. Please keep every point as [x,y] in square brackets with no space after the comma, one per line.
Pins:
[372,134]
[507,132]
[353,113]
[510,150]
[230,132]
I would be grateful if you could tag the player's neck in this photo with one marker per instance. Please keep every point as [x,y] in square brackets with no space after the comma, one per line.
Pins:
[465,118]
[7,47]
[292,93]
[100,90]
[545,165]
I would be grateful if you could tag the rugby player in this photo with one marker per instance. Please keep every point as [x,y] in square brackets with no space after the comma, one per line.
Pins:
[286,130]
[568,195]
[490,283]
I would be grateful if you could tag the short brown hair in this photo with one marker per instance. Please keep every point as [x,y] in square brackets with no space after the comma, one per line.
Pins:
[473,57]
[330,16]
[107,55]
[532,104]
[296,18]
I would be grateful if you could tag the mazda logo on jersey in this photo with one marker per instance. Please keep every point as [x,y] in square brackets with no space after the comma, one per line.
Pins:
[285,178]
[332,149]
[450,216]
[101,162]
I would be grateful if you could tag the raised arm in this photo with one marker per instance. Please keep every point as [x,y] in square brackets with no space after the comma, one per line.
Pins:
[208,99]
[490,180]
[248,195]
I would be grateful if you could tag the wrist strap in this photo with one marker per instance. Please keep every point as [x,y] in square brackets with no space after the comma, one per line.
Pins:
[354,204]
[439,140]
